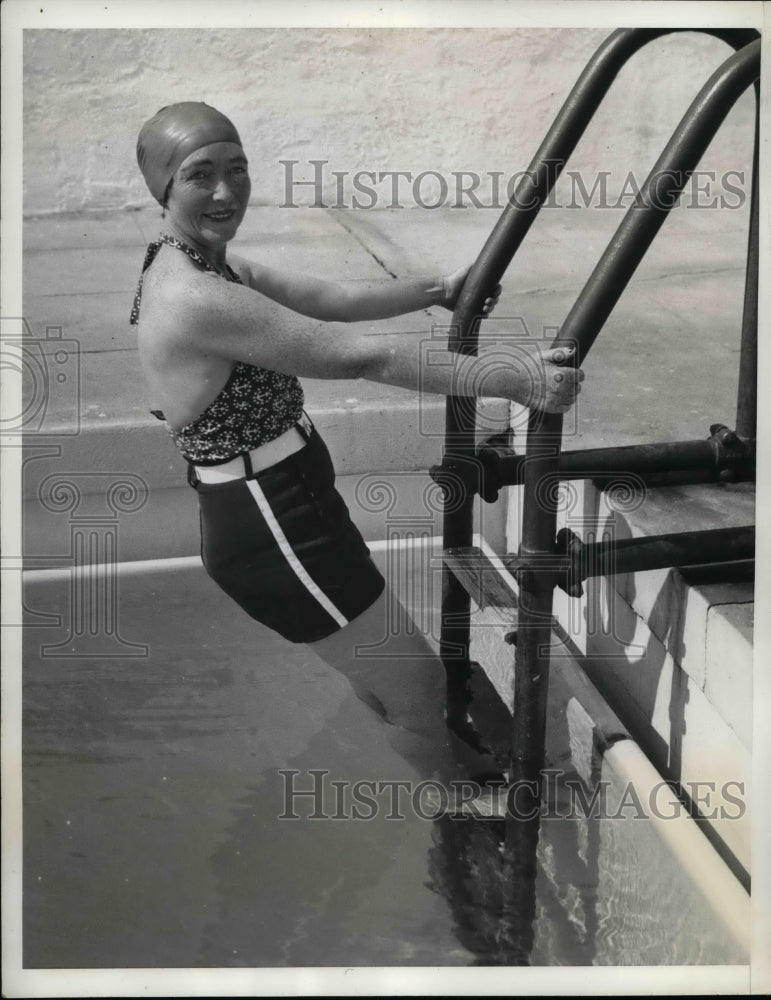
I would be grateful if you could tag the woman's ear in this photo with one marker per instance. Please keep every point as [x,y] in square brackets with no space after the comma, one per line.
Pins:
[166,198]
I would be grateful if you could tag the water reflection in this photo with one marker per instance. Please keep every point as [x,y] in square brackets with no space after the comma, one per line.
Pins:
[522,891]
[584,881]
[493,910]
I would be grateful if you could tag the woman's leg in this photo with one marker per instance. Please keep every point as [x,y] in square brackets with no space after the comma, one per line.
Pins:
[394,670]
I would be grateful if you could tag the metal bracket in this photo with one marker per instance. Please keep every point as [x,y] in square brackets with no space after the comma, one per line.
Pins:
[457,475]
[571,545]
[555,568]
[730,451]
[489,455]
[546,569]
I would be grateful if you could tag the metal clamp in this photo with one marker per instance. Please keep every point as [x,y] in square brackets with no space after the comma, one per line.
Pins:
[455,475]
[730,451]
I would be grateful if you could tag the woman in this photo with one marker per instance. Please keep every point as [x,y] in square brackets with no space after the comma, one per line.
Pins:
[222,342]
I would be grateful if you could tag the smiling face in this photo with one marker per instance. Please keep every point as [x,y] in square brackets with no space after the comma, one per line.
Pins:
[209,194]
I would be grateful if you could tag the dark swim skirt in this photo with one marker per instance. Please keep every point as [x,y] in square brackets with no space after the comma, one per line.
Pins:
[283,546]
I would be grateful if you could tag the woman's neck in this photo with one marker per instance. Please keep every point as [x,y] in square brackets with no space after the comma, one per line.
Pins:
[215,256]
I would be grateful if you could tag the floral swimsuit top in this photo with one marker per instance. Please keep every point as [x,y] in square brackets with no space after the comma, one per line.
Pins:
[254,406]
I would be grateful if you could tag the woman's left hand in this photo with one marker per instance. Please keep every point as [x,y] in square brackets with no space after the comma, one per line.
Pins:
[453,284]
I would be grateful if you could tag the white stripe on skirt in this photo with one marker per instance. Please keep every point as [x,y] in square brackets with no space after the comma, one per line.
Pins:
[283,543]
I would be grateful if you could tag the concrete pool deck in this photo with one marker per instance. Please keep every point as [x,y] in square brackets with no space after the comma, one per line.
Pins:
[664,368]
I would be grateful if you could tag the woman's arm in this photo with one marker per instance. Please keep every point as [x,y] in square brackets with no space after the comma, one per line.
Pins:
[212,317]
[353,301]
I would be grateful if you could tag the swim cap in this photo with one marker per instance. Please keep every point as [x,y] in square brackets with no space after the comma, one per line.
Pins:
[171,135]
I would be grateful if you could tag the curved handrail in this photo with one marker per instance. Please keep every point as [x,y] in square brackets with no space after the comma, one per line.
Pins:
[635,234]
[547,165]
[627,248]
[506,237]
[658,195]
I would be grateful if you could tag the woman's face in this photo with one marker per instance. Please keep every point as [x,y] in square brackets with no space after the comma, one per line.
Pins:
[209,193]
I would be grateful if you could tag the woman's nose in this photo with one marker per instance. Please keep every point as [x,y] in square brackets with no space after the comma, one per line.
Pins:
[222,191]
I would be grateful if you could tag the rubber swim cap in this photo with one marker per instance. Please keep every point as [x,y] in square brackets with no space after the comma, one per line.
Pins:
[171,135]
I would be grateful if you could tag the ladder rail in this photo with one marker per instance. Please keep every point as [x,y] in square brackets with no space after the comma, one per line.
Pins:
[584,321]
[613,272]
[504,241]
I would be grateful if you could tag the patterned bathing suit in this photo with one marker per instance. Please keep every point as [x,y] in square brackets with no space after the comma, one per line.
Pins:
[254,406]
[280,542]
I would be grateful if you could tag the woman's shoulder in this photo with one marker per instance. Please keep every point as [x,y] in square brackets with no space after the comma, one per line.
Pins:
[171,269]
[169,286]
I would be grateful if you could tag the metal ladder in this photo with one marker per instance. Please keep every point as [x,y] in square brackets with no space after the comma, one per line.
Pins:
[546,559]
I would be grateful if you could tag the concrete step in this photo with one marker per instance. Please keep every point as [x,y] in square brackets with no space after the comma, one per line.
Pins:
[701,617]
[671,649]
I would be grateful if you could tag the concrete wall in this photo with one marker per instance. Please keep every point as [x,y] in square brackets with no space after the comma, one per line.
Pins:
[378,100]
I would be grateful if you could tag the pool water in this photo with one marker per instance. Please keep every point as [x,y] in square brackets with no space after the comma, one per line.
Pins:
[152,833]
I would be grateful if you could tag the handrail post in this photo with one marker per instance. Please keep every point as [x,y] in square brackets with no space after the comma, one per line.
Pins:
[747,397]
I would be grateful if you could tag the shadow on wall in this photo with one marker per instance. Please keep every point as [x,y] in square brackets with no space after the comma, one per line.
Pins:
[636,665]
[632,662]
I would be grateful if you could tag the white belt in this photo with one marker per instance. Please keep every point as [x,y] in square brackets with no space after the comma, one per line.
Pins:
[261,458]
